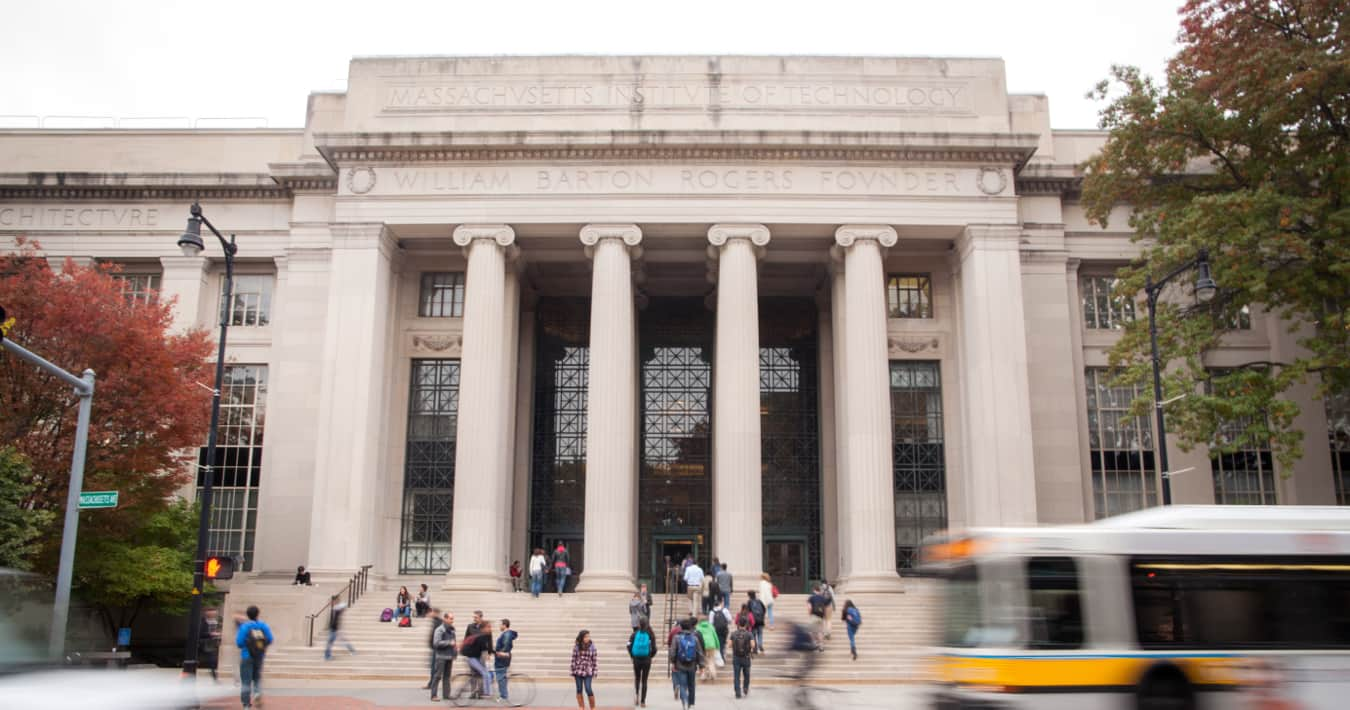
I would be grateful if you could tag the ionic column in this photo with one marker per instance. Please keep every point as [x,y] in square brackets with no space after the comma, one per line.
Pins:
[869,492]
[1001,485]
[839,365]
[611,410]
[480,457]
[738,528]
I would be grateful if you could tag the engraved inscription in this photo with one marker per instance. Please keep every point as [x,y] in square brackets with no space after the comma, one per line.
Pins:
[76,217]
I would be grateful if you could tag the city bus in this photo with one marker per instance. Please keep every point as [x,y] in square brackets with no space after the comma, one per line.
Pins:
[1183,607]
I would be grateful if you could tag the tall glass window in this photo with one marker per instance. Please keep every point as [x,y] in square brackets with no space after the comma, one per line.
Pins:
[238,466]
[1124,476]
[251,301]
[429,467]
[1105,306]
[1247,475]
[919,463]
[558,463]
[139,288]
[909,296]
[1338,434]
[442,295]
[790,441]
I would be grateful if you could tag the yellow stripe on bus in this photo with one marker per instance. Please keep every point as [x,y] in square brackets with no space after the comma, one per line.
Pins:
[1060,670]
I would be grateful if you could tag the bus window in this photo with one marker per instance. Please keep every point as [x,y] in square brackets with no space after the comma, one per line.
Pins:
[1055,610]
[961,617]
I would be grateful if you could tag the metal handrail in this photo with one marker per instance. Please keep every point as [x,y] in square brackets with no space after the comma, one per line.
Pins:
[355,587]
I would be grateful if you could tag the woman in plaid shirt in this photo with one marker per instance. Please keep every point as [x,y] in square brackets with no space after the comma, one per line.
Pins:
[584,667]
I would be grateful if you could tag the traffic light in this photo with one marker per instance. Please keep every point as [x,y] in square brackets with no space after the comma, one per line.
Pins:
[219,567]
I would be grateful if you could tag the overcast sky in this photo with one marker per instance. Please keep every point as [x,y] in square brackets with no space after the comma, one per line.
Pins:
[250,59]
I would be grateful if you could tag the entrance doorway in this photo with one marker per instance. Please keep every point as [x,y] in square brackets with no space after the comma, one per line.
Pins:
[670,552]
[786,563]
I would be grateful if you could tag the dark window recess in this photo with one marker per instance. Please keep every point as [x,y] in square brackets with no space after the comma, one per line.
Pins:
[1241,604]
[1055,603]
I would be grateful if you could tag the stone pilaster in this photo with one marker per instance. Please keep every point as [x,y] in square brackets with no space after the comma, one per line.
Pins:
[611,407]
[829,445]
[870,504]
[477,545]
[994,384]
[184,278]
[839,360]
[510,358]
[738,526]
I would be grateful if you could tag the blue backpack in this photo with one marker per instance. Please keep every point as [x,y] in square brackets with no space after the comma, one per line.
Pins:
[686,648]
[642,645]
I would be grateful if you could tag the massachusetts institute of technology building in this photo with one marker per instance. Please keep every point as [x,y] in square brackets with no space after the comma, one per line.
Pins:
[794,312]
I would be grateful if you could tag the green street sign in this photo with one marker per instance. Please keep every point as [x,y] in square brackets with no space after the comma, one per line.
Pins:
[98,499]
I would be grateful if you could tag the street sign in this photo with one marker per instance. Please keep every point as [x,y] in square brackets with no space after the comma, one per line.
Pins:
[98,499]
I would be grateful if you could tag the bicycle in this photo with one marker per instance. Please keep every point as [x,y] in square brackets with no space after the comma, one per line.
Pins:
[466,687]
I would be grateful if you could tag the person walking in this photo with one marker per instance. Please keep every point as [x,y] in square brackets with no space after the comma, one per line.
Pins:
[637,611]
[689,658]
[724,584]
[335,629]
[722,623]
[757,611]
[585,666]
[693,581]
[538,563]
[710,592]
[476,649]
[646,601]
[766,597]
[443,646]
[501,659]
[708,635]
[436,622]
[209,654]
[742,648]
[852,620]
[819,609]
[253,639]
[562,566]
[423,602]
[641,649]
[828,592]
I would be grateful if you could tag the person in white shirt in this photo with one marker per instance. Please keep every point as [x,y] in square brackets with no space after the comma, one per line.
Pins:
[538,563]
[693,579]
[766,596]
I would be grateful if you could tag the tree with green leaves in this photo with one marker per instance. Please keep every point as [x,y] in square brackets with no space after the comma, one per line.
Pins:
[1243,150]
[20,525]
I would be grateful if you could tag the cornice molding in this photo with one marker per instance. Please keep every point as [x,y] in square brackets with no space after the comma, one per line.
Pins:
[312,176]
[141,187]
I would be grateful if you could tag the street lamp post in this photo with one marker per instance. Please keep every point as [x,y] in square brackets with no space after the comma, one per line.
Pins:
[1204,290]
[191,244]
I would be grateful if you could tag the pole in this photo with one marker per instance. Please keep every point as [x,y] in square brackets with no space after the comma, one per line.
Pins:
[1163,470]
[208,471]
[84,389]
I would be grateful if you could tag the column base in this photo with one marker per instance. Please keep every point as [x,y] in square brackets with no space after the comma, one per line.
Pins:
[870,582]
[472,581]
[601,581]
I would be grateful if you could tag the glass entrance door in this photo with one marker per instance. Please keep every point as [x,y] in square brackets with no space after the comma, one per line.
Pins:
[668,554]
[785,561]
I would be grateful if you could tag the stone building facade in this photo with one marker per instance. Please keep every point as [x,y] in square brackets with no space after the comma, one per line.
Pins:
[793,312]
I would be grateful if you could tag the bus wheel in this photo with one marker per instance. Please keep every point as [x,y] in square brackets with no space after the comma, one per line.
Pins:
[1165,688]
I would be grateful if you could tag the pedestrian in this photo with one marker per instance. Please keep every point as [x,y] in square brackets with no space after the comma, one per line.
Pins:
[562,566]
[852,620]
[423,603]
[436,622]
[722,623]
[335,629]
[767,593]
[757,612]
[710,591]
[538,563]
[403,603]
[637,611]
[693,581]
[239,621]
[646,601]
[501,659]
[819,609]
[209,657]
[302,577]
[716,568]
[724,584]
[585,666]
[742,647]
[443,646]
[641,649]
[828,592]
[516,578]
[476,648]
[253,639]
[688,659]
[708,635]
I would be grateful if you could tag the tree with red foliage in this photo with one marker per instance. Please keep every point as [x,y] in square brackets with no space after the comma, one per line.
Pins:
[149,413]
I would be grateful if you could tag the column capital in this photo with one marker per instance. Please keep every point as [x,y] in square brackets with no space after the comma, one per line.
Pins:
[884,234]
[629,234]
[502,234]
[1001,237]
[720,234]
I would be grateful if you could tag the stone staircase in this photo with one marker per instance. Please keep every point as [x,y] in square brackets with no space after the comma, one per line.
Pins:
[896,629]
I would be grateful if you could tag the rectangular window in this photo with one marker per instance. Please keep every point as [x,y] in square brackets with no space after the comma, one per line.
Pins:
[442,295]
[909,296]
[1124,476]
[237,470]
[1246,476]
[918,459]
[251,302]
[1055,605]
[139,288]
[1241,319]
[1241,603]
[1104,305]
[1338,433]
[429,467]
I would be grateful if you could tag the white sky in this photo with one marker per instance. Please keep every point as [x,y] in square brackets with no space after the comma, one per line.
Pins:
[246,58]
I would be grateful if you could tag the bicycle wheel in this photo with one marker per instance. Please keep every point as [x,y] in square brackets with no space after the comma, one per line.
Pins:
[462,687]
[520,687]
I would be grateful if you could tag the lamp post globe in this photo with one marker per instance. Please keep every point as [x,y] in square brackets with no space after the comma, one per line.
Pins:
[191,239]
[1205,288]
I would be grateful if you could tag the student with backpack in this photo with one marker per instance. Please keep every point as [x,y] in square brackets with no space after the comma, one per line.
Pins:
[687,649]
[253,638]
[828,592]
[641,648]
[708,635]
[722,624]
[757,610]
[742,648]
[852,620]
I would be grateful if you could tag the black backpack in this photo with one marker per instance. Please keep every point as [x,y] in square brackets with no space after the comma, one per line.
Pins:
[757,610]
[720,622]
[740,644]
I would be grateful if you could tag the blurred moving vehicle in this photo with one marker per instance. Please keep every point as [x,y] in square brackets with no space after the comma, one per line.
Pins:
[1183,607]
